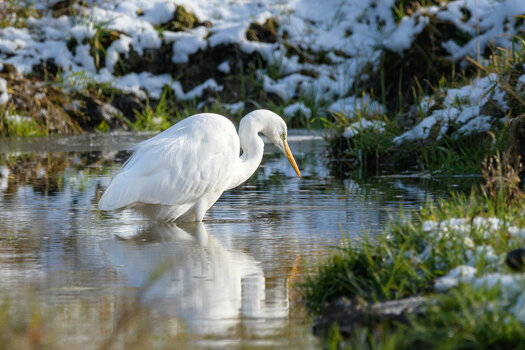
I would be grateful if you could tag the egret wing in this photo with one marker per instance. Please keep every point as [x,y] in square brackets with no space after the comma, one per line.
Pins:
[191,159]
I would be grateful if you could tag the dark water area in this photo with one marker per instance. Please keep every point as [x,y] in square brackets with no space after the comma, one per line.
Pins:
[227,282]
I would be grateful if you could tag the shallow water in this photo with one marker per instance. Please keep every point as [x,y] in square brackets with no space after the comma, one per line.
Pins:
[226,282]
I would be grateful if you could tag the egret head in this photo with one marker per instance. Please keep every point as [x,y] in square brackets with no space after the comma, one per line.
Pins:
[276,131]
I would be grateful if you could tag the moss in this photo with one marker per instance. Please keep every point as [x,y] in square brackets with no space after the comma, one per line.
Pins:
[182,20]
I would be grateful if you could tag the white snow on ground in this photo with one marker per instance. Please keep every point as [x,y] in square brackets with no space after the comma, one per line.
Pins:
[188,43]
[355,128]
[4,96]
[352,32]
[461,107]
[459,231]
[352,106]
[197,91]
[296,108]
[493,18]
[224,67]
[234,108]
[461,273]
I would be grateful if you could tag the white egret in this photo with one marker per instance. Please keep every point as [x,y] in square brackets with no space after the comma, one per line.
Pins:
[180,173]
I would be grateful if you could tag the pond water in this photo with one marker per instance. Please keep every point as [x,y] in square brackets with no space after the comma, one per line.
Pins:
[228,282]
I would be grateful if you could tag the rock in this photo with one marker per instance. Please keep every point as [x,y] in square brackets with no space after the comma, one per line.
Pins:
[516,259]
[349,314]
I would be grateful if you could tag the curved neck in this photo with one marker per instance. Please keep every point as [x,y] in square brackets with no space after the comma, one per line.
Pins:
[252,149]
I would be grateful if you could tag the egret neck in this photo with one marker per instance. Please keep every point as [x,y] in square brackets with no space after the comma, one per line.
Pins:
[252,147]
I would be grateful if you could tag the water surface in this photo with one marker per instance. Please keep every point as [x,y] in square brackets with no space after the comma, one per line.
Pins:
[228,282]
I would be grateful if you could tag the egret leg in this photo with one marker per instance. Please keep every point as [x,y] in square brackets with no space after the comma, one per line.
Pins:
[200,209]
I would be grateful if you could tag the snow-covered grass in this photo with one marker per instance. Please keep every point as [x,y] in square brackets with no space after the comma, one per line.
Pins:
[450,131]
[320,55]
[453,252]
[15,124]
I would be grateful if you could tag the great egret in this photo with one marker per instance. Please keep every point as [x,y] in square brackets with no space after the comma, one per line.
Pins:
[180,173]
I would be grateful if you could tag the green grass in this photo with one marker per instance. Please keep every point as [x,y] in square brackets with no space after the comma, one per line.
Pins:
[407,260]
[459,320]
[154,119]
[12,124]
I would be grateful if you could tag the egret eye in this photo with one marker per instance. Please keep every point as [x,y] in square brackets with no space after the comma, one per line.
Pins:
[283,136]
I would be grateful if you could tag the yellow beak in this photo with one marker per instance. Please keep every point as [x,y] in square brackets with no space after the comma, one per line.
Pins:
[291,159]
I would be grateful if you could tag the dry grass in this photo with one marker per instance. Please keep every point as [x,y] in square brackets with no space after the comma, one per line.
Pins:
[501,178]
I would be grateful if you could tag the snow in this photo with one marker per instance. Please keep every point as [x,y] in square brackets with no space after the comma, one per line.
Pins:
[83,31]
[4,96]
[352,106]
[461,273]
[209,84]
[297,108]
[82,57]
[137,83]
[462,107]
[228,33]
[17,118]
[493,19]
[119,46]
[510,286]
[363,124]
[234,108]
[476,125]
[401,38]
[352,33]
[286,87]
[188,43]
[224,67]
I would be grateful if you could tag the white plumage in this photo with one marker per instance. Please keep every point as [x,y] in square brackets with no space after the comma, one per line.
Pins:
[180,173]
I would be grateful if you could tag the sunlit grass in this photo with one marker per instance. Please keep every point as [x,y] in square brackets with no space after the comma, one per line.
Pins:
[408,260]
[13,124]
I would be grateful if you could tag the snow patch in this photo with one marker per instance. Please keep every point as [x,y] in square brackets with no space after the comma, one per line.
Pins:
[4,96]
[355,128]
[352,106]
[296,108]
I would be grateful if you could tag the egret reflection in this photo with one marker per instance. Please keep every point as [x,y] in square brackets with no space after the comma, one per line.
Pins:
[211,288]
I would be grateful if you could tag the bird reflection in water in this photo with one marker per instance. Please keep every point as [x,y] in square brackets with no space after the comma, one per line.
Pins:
[211,288]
